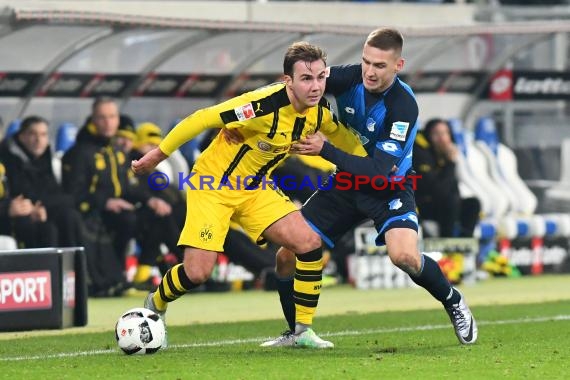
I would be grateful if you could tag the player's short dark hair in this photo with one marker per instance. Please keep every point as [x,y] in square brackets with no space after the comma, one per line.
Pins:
[302,51]
[386,39]
[101,100]
[29,121]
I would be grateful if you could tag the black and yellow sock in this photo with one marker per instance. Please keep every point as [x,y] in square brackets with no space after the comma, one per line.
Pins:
[307,285]
[285,289]
[174,285]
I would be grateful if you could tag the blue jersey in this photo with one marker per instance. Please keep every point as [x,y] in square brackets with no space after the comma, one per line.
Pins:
[386,122]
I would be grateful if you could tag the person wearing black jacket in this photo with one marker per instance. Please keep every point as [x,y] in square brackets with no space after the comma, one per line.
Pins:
[437,193]
[162,217]
[98,177]
[27,157]
[23,220]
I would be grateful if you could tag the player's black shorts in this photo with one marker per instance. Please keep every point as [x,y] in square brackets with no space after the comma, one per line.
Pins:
[332,213]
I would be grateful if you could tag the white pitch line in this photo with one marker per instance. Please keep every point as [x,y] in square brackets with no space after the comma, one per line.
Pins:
[229,342]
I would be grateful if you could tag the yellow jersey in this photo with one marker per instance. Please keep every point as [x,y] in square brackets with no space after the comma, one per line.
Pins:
[269,125]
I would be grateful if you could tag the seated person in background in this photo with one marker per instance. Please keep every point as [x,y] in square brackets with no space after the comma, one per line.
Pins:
[97,175]
[27,157]
[162,218]
[437,193]
[22,220]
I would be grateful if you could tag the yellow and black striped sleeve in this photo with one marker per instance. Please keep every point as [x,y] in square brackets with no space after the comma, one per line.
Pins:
[195,124]
[340,136]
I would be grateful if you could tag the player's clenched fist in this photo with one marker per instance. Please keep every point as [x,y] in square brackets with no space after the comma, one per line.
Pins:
[148,162]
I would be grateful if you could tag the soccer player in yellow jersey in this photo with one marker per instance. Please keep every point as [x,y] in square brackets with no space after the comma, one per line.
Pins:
[229,179]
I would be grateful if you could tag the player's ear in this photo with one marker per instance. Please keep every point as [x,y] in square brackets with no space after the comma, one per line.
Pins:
[288,80]
[399,64]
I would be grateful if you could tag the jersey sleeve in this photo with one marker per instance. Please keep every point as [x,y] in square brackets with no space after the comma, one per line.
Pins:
[341,78]
[341,136]
[390,147]
[229,114]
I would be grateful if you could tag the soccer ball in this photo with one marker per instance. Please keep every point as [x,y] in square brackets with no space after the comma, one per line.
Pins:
[140,331]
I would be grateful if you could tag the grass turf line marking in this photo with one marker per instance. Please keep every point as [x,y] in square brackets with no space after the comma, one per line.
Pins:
[261,339]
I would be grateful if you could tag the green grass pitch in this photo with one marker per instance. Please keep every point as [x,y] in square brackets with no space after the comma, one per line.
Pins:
[524,332]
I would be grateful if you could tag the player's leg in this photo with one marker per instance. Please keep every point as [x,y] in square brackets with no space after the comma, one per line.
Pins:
[293,233]
[207,223]
[401,244]
[398,224]
[330,214]
[195,269]
[272,215]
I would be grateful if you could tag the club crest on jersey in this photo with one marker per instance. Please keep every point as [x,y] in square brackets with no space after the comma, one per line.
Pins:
[370,123]
[395,204]
[399,130]
[264,146]
[245,112]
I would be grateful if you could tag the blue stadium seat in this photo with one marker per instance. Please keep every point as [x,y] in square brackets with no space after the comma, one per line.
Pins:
[12,128]
[65,138]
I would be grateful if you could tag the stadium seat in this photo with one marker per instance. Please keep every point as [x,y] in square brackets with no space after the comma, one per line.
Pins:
[65,138]
[522,220]
[12,128]
[472,170]
[503,168]
[7,243]
[558,196]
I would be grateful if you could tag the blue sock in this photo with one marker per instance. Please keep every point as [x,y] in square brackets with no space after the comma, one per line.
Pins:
[431,278]
[285,289]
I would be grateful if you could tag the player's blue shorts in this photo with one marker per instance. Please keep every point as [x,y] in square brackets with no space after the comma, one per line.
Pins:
[334,212]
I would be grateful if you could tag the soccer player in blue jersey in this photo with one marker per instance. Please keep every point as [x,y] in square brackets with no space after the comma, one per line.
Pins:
[374,102]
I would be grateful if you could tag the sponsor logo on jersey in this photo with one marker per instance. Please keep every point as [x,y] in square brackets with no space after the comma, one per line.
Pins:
[245,112]
[399,130]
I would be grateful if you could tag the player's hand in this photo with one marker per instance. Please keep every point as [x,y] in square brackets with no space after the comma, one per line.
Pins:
[39,213]
[116,205]
[159,206]
[20,206]
[148,162]
[310,145]
[232,136]
[452,152]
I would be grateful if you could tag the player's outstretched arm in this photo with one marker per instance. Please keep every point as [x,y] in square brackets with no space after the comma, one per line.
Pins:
[148,162]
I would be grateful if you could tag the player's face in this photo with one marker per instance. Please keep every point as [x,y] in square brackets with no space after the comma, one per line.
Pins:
[379,68]
[35,139]
[106,119]
[307,85]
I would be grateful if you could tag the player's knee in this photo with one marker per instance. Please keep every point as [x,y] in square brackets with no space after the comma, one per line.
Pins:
[408,261]
[309,243]
[197,274]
